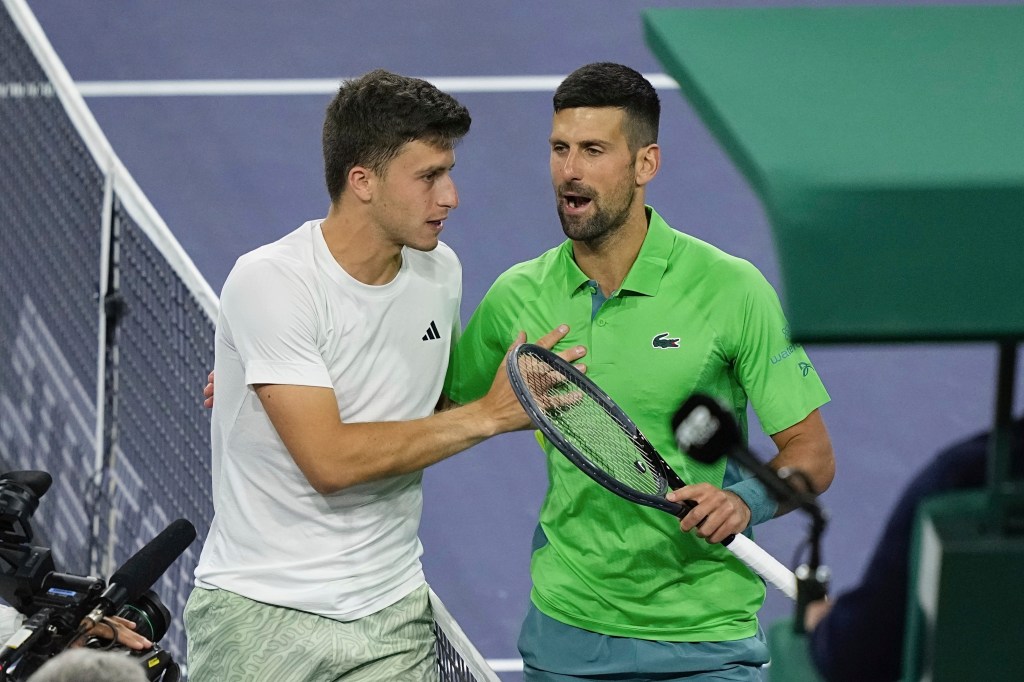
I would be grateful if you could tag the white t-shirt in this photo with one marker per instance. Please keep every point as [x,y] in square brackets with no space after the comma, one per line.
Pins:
[290,314]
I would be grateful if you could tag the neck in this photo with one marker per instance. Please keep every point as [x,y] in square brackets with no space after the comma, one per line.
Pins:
[608,261]
[358,246]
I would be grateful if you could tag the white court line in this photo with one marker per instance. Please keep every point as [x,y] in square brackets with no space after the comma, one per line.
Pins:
[323,86]
[505,665]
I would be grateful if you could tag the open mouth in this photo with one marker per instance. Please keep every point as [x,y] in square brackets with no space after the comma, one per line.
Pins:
[576,202]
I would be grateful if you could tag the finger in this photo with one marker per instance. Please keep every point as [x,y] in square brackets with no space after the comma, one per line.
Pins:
[680,494]
[693,519]
[122,631]
[686,492]
[552,337]
[573,354]
[124,622]
[210,377]
[208,391]
[520,340]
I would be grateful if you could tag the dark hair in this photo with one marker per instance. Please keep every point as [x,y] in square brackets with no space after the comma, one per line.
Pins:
[605,84]
[373,116]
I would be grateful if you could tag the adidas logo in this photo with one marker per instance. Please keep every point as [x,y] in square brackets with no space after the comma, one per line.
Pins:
[432,333]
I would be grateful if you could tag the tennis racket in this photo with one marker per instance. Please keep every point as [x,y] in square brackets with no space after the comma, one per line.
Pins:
[598,437]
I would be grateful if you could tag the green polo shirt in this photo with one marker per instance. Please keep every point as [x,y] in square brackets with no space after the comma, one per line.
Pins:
[687,318]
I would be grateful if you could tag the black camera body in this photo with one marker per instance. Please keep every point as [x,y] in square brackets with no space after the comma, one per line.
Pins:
[54,603]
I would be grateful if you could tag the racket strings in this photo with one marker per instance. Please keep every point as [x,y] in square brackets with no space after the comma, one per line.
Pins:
[584,422]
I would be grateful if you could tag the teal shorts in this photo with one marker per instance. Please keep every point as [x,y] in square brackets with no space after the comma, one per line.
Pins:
[555,652]
[235,639]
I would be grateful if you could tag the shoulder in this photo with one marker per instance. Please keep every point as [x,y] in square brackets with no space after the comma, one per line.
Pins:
[294,249]
[287,263]
[531,273]
[717,269]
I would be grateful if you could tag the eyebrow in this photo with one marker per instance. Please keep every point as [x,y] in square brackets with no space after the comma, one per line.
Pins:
[581,143]
[437,167]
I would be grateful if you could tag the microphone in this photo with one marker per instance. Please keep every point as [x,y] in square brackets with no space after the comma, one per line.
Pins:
[36,481]
[706,431]
[19,498]
[142,570]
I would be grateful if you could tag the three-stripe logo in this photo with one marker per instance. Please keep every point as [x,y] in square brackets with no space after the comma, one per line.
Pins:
[432,333]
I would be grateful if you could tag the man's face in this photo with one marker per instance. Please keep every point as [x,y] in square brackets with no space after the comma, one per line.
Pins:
[414,195]
[592,171]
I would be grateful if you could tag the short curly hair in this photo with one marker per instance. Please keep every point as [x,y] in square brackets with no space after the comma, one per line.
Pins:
[373,116]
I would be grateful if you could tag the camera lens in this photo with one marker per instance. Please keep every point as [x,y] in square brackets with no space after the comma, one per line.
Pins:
[149,614]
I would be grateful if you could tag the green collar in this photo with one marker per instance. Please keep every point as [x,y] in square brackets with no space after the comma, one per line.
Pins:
[644,277]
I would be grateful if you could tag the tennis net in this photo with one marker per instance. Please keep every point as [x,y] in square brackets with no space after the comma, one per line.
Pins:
[106,336]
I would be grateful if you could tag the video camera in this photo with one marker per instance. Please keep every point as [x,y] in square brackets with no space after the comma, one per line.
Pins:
[62,608]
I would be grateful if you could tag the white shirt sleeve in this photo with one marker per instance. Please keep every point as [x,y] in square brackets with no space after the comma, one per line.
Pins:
[269,314]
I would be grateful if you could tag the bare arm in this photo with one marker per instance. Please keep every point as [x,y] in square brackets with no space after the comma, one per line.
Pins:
[805,446]
[334,455]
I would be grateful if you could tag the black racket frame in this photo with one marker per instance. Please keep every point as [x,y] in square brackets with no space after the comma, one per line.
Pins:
[572,453]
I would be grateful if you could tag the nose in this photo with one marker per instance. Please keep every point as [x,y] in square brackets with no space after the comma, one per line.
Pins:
[449,194]
[567,166]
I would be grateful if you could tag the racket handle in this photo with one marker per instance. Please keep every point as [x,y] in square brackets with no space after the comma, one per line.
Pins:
[763,563]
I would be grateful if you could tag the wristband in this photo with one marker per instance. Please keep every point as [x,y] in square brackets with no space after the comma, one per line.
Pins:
[762,505]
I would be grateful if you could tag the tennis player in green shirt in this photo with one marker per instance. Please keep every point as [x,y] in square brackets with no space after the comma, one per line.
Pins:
[618,592]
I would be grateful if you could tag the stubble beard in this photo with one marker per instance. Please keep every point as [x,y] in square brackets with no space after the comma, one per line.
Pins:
[597,228]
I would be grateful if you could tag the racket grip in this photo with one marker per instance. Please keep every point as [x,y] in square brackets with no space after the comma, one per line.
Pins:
[763,563]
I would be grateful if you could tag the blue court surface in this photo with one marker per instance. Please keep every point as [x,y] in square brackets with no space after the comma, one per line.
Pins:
[232,168]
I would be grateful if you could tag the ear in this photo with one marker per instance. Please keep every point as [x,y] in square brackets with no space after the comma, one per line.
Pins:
[648,161]
[361,182]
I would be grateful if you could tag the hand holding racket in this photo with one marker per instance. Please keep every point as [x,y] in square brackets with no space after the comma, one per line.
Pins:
[592,431]
[500,406]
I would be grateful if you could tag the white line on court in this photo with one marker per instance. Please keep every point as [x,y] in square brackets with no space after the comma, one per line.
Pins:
[323,86]
[505,665]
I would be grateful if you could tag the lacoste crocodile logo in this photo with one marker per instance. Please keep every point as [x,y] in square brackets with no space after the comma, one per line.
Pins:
[662,341]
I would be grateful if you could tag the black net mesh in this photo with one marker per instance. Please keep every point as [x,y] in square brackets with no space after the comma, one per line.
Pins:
[51,194]
[159,464]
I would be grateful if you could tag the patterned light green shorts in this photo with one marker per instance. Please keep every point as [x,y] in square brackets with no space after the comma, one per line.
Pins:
[234,639]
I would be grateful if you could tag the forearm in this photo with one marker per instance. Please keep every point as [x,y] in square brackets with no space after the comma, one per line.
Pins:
[805,448]
[334,455]
[357,453]
[816,470]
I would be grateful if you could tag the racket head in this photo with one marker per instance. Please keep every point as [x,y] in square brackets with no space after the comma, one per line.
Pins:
[589,429]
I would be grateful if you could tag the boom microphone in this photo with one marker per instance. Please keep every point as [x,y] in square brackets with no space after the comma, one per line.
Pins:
[19,498]
[707,431]
[36,481]
[143,569]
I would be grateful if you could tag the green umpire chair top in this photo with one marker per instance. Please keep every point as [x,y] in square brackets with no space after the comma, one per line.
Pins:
[887,147]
